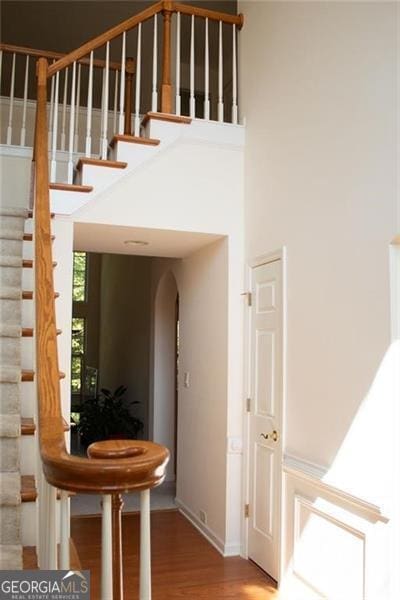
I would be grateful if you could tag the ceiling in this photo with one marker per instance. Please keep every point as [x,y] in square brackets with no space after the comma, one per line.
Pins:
[110,239]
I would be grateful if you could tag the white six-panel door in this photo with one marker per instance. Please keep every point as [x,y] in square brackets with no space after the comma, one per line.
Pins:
[265,447]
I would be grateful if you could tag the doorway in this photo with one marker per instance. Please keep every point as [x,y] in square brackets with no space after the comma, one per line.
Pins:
[165,371]
[265,415]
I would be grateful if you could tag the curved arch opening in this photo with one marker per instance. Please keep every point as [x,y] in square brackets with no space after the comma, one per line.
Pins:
[165,371]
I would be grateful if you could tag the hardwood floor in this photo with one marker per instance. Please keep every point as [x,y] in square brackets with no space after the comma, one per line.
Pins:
[184,564]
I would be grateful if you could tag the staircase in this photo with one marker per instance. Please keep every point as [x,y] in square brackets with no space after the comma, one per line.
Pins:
[12,424]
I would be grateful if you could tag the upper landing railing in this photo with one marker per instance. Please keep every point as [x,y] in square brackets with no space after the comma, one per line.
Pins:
[171,57]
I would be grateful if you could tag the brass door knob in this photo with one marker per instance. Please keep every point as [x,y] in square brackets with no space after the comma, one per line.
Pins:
[274,436]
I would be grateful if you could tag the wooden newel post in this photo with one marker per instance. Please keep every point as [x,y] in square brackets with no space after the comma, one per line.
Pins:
[166,87]
[118,585]
[129,71]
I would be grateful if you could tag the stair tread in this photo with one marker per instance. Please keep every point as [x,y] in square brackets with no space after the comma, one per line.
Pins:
[28,295]
[28,426]
[133,139]
[30,215]
[28,488]
[71,187]
[28,237]
[27,263]
[98,162]
[29,558]
[166,117]
[29,375]
[28,332]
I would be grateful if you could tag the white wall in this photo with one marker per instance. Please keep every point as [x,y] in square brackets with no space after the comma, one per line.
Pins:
[318,93]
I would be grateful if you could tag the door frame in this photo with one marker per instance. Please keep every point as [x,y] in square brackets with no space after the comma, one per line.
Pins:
[280,254]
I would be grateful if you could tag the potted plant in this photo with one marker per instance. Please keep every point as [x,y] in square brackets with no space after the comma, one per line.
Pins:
[108,416]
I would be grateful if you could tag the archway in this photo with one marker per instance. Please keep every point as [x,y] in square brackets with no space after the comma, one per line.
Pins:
[166,308]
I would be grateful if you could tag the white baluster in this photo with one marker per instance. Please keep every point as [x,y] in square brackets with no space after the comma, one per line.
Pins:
[78,104]
[206,74]
[122,87]
[88,145]
[106,550]
[64,531]
[11,107]
[53,165]
[103,78]
[178,65]
[64,111]
[115,101]
[71,127]
[50,546]
[145,546]
[192,101]
[138,72]
[51,110]
[104,141]
[154,94]
[220,77]
[23,126]
[234,77]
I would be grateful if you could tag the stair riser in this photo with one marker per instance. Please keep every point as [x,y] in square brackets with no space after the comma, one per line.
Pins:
[133,154]
[9,394]
[99,177]
[28,455]
[10,351]
[12,222]
[27,250]
[10,247]
[10,311]
[10,276]
[28,276]
[27,398]
[10,525]
[10,454]
[27,313]
[29,523]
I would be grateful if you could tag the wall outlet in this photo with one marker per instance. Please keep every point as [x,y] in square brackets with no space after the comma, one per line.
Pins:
[203,516]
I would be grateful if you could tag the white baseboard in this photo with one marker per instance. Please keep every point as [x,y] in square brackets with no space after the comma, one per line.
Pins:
[232,549]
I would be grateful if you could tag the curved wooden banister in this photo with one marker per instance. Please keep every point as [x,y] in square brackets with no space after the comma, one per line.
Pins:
[144,466]
[145,15]
[50,55]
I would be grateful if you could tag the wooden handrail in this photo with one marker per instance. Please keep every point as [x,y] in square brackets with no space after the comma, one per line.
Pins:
[142,465]
[50,55]
[132,22]
[212,15]
[103,38]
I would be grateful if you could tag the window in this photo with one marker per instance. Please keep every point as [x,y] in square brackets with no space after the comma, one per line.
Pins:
[79,277]
[78,353]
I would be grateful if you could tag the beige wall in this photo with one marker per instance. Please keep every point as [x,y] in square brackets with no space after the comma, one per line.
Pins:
[317,90]
[125,327]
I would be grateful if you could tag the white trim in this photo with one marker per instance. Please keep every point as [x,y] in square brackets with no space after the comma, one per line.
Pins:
[210,536]
[314,474]
[232,549]
[299,501]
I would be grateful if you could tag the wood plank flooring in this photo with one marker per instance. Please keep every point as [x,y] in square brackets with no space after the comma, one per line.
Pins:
[184,564]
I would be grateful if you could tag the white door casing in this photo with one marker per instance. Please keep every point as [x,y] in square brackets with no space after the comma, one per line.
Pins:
[265,416]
